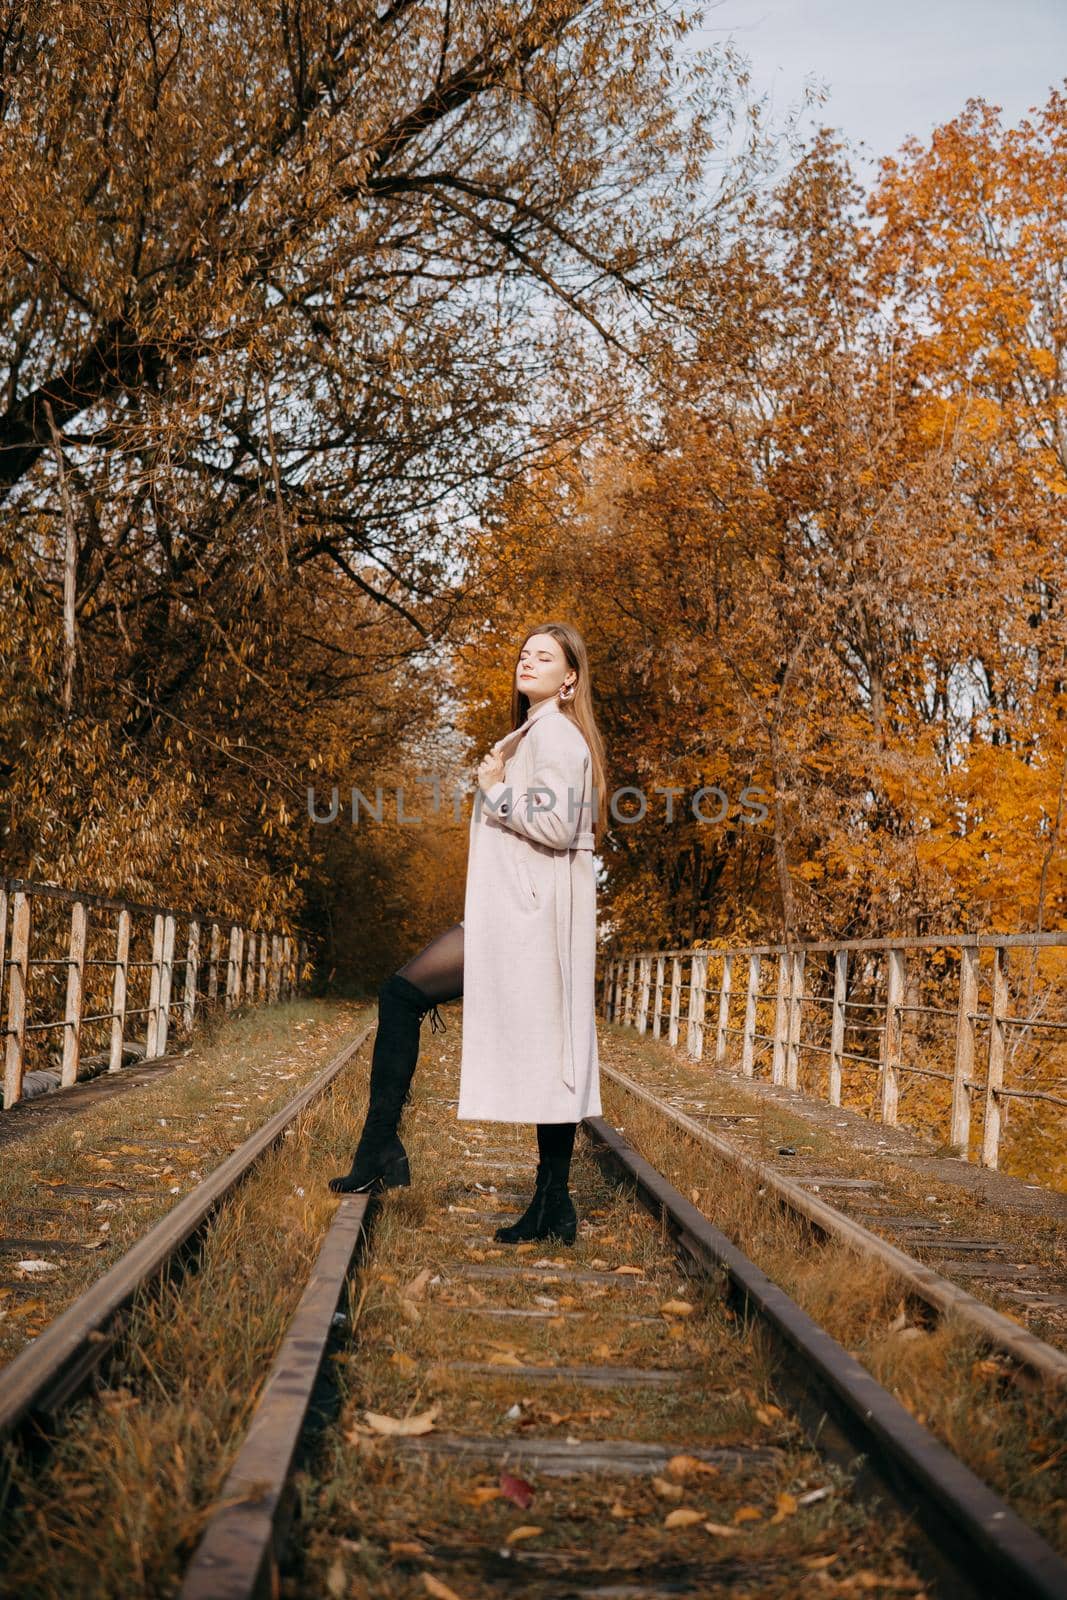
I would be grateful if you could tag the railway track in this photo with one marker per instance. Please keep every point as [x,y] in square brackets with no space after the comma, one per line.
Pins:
[806,1198]
[671,1423]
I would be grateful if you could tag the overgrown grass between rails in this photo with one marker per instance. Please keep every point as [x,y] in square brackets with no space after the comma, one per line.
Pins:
[772,1124]
[118,1506]
[1005,1425]
[235,1077]
[376,1524]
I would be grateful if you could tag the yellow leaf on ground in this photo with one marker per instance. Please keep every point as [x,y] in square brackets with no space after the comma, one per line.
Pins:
[481,1494]
[676,1308]
[667,1490]
[787,1506]
[406,1547]
[439,1590]
[501,1358]
[682,1466]
[401,1359]
[720,1530]
[525,1532]
[682,1518]
[636,1272]
[748,1514]
[619,1510]
[414,1289]
[818,1563]
[405,1426]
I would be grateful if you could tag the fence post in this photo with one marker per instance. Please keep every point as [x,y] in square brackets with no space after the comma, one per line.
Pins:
[213,963]
[780,1019]
[748,1048]
[796,997]
[192,973]
[698,988]
[3,944]
[233,968]
[166,976]
[18,997]
[72,1018]
[275,966]
[628,1001]
[963,1066]
[994,1080]
[837,1026]
[676,1000]
[891,1035]
[724,1008]
[657,1018]
[250,967]
[152,1032]
[643,993]
[118,989]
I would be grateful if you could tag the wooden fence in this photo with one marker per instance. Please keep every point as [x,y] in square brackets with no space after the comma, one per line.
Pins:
[970,1013]
[78,964]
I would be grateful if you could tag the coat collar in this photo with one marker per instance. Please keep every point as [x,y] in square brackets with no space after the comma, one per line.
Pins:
[514,736]
[543,710]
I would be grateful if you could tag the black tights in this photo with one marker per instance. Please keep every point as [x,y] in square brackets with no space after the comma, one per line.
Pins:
[437,971]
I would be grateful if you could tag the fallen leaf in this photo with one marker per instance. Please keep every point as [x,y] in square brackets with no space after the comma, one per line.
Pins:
[337,1579]
[721,1531]
[676,1308]
[619,1510]
[37,1266]
[482,1494]
[414,1289]
[682,1518]
[667,1490]
[501,1358]
[818,1563]
[748,1514]
[635,1272]
[525,1532]
[682,1466]
[439,1590]
[787,1506]
[406,1547]
[516,1489]
[405,1426]
[410,1311]
[401,1359]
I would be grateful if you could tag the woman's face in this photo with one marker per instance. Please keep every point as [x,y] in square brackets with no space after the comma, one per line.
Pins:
[542,668]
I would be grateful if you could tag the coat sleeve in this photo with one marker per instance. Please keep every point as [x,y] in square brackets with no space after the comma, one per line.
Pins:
[549,810]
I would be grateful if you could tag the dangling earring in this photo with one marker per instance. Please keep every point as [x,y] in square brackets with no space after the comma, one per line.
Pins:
[567,692]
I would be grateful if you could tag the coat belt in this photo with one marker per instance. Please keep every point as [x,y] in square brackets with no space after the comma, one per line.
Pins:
[562,867]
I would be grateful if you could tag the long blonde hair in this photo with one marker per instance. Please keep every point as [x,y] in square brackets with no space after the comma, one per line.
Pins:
[579,708]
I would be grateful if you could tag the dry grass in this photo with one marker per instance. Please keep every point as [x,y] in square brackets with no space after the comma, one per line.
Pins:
[119,1507]
[378,1523]
[234,1077]
[1006,1426]
[115,1508]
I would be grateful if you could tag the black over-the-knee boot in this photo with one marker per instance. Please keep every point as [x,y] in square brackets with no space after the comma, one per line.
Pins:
[380,1161]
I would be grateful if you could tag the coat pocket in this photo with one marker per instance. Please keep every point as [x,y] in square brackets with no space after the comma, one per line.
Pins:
[528,883]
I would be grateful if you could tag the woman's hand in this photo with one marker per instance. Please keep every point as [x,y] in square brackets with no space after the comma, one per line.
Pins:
[490,770]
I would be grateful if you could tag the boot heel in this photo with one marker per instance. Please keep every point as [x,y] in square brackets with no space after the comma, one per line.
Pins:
[397,1174]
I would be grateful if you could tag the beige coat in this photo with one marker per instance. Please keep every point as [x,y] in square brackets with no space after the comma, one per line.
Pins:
[529,1050]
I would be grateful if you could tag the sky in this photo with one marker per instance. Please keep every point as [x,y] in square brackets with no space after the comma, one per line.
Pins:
[895,67]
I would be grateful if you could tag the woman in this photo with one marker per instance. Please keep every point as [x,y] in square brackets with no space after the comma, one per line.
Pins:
[524,956]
